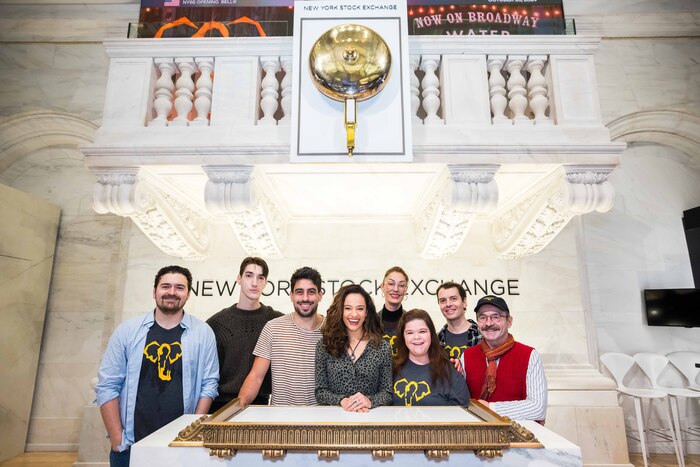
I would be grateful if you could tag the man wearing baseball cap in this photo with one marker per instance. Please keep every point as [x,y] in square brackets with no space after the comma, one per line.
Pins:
[504,374]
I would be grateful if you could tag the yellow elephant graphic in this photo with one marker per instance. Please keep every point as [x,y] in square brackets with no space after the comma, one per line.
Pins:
[163,355]
[411,391]
[456,351]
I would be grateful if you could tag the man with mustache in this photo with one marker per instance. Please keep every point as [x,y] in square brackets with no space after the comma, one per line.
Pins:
[237,329]
[505,375]
[287,346]
[156,367]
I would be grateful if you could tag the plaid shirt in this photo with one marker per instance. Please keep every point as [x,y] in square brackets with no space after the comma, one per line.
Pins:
[473,334]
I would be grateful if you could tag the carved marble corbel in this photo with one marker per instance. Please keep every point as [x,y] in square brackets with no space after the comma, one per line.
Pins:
[254,216]
[171,224]
[528,227]
[117,192]
[467,191]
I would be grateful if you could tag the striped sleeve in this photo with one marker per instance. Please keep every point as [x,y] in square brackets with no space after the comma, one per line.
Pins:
[534,407]
[263,348]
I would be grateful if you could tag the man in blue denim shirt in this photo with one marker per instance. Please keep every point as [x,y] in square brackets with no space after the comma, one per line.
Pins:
[156,367]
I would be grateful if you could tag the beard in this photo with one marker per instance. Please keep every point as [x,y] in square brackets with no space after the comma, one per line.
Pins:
[305,314]
[166,308]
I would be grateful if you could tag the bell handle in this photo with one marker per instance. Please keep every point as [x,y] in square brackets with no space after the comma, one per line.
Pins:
[350,123]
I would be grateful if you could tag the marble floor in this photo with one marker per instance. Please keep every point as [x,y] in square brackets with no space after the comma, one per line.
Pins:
[42,459]
[66,459]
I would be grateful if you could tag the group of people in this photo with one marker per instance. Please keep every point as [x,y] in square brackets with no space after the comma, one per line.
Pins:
[165,363]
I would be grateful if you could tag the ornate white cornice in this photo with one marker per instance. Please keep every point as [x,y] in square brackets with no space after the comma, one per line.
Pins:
[254,216]
[445,220]
[172,225]
[228,190]
[532,224]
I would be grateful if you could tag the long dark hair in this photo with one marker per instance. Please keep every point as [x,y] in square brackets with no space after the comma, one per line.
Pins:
[335,333]
[439,362]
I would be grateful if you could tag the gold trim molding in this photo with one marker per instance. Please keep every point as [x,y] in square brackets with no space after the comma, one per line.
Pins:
[488,438]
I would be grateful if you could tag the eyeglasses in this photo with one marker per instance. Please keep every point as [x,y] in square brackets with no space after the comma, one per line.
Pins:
[496,318]
[392,285]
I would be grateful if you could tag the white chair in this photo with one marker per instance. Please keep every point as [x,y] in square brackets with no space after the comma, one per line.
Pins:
[652,365]
[619,365]
[685,362]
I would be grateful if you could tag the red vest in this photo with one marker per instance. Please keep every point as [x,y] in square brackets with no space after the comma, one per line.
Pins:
[510,375]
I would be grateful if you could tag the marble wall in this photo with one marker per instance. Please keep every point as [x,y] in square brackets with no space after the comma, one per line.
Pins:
[27,244]
[82,295]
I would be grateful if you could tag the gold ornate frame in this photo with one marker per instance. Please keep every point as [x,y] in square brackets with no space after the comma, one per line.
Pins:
[487,438]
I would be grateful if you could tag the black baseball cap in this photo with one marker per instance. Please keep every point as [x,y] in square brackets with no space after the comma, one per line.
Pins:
[498,302]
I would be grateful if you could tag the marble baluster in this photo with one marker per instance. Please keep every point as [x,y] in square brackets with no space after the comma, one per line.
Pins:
[184,91]
[413,62]
[497,90]
[286,101]
[203,94]
[163,94]
[269,94]
[537,89]
[517,94]
[431,89]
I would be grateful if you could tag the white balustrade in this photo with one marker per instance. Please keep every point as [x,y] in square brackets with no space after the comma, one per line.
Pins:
[202,101]
[431,89]
[497,89]
[270,85]
[163,93]
[537,89]
[286,101]
[184,91]
[240,89]
[517,94]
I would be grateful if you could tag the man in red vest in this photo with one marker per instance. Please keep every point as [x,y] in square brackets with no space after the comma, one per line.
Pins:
[505,375]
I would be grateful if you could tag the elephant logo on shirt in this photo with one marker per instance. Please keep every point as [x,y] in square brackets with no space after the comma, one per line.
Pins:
[411,391]
[163,355]
[392,341]
[456,351]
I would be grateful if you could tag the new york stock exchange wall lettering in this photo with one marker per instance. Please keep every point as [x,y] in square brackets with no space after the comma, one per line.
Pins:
[422,286]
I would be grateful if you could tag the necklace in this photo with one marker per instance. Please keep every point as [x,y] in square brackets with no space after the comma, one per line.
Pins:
[352,349]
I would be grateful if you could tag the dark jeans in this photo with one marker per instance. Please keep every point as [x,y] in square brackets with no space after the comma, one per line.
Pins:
[119,459]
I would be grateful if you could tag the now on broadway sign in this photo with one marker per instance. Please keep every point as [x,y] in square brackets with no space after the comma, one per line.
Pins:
[487,18]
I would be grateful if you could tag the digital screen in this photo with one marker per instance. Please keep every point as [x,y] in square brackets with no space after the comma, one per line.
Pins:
[672,307]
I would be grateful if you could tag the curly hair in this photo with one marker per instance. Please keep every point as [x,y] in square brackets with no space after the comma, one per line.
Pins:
[334,332]
[439,361]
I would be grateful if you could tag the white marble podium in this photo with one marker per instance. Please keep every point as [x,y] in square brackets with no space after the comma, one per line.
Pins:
[154,451]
